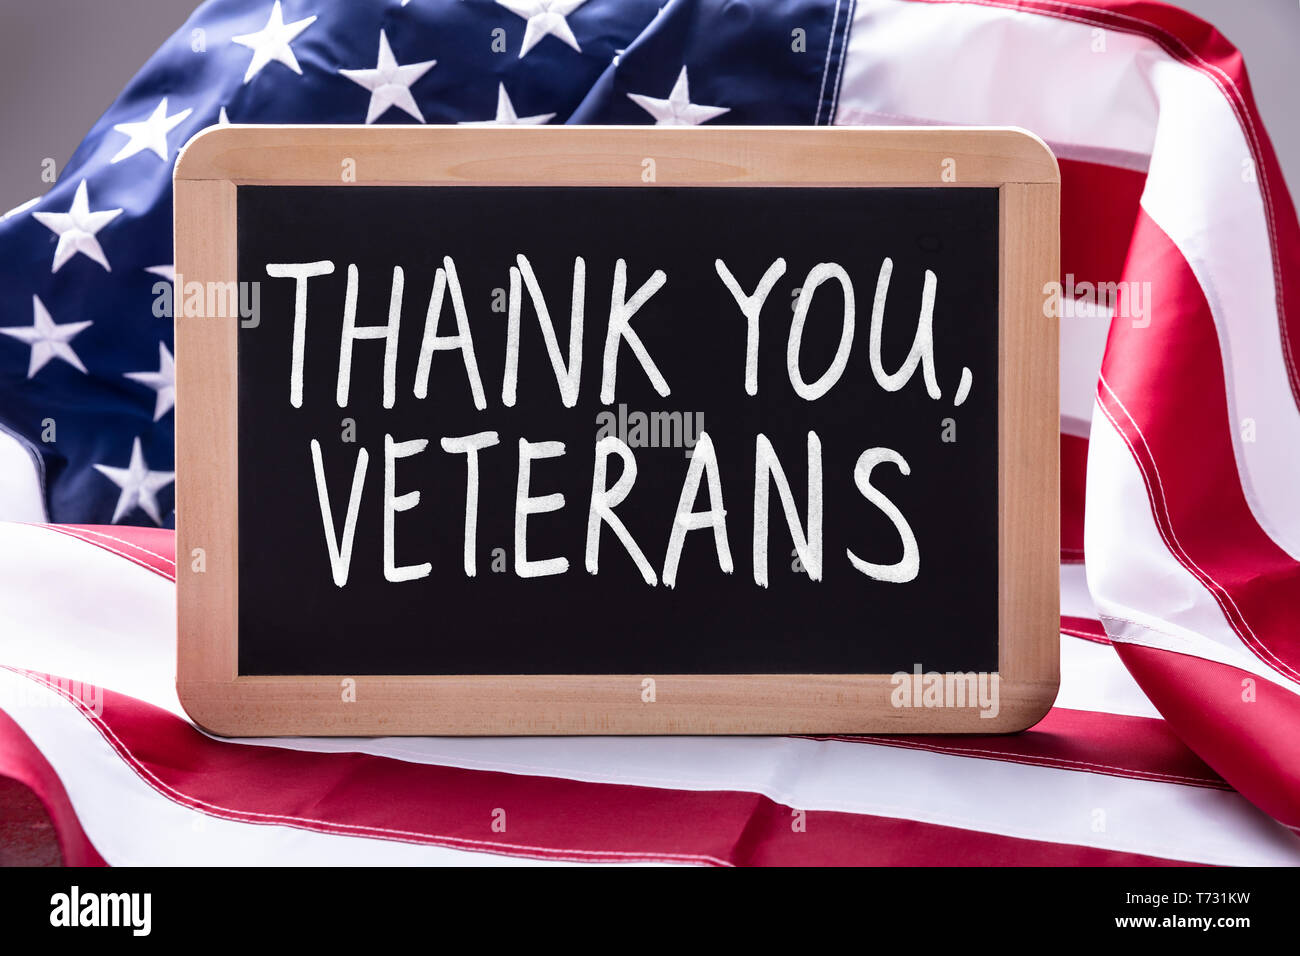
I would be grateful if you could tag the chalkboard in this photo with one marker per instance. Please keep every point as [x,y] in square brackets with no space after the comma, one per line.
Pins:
[495,442]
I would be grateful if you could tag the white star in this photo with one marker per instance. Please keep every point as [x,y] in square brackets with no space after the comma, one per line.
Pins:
[167,272]
[389,82]
[506,114]
[150,133]
[48,339]
[544,17]
[222,118]
[272,42]
[677,110]
[139,485]
[76,229]
[162,381]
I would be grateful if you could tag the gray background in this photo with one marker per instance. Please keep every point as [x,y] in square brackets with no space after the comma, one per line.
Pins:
[63,62]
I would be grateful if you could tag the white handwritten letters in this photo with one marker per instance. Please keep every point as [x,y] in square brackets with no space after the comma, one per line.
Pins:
[543,467]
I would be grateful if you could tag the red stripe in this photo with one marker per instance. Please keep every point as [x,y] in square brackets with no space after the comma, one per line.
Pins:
[1171,409]
[1252,742]
[1085,628]
[1074,474]
[1095,235]
[21,760]
[546,817]
[1094,243]
[1141,748]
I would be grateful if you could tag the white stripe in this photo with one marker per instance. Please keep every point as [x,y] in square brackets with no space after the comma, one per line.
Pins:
[101,618]
[77,611]
[1143,594]
[1076,600]
[21,497]
[1081,347]
[1159,819]
[969,64]
[1071,423]
[1217,221]
[131,824]
[1135,100]
[1094,678]
[1092,675]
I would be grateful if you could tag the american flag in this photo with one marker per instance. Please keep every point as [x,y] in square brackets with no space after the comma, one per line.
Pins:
[1176,734]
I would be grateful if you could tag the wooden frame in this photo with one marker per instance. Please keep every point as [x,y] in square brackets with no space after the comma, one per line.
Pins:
[214,163]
